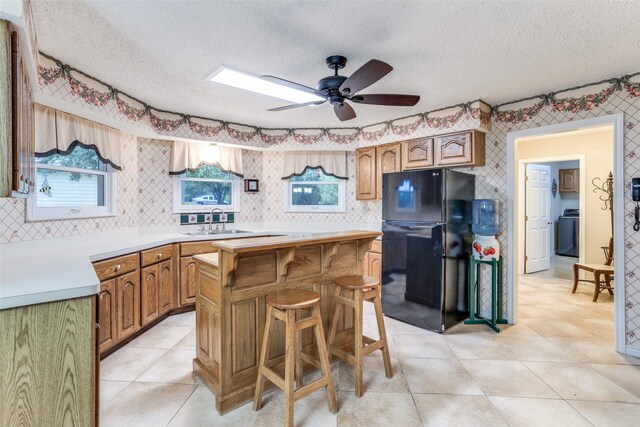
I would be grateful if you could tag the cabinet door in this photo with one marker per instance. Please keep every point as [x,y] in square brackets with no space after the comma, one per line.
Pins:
[165,287]
[388,160]
[417,153]
[454,149]
[187,281]
[127,304]
[375,265]
[150,283]
[569,180]
[106,313]
[366,173]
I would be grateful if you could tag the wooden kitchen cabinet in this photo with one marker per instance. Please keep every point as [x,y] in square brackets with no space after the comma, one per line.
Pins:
[107,315]
[417,153]
[17,117]
[460,149]
[569,180]
[373,261]
[188,269]
[127,304]
[388,161]
[371,163]
[157,286]
[366,173]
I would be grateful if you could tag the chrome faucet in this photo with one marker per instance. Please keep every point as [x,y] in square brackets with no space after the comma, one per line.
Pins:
[217,224]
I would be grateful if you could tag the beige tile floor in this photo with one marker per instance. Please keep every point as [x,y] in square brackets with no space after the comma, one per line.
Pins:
[556,367]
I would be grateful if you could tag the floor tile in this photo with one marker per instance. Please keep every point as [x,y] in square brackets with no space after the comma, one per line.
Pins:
[507,378]
[188,342]
[444,376]
[534,348]
[602,328]
[374,377]
[604,414]
[593,350]
[377,409]
[110,389]
[312,410]
[627,377]
[161,337]
[536,311]
[556,328]
[396,327]
[480,345]
[533,412]
[579,382]
[175,366]
[182,319]
[519,329]
[441,410]
[200,410]
[128,363]
[145,404]
[431,345]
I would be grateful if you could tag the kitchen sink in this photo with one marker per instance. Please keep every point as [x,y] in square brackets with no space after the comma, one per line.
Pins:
[213,233]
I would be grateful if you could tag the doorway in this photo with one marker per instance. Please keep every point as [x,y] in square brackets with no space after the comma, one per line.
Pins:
[517,154]
[553,221]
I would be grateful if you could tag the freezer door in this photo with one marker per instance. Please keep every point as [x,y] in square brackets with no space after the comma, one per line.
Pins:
[412,273]
[413,196]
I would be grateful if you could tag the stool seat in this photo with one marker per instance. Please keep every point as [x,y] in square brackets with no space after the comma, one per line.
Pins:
[291,299]
[357,282]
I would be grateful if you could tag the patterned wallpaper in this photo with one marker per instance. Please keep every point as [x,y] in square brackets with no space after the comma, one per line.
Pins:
[144,189]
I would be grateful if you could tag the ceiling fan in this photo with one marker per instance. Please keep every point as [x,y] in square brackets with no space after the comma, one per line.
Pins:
[338,89]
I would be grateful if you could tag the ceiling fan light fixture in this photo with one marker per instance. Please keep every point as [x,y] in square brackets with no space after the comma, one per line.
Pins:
[230,77]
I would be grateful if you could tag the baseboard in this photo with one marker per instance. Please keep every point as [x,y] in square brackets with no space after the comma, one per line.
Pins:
[632,351]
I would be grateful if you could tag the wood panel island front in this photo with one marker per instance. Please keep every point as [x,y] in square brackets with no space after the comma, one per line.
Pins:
[231,287]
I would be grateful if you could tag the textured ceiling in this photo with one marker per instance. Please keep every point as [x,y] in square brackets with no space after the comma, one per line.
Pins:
[446,52]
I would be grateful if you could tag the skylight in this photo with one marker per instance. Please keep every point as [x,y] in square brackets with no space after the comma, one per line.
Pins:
[240,80]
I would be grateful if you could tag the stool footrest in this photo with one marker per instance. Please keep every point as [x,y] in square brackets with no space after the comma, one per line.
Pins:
[341,354]
[305,323]
[370,348]
[310,360]
[272,376]
[310,388]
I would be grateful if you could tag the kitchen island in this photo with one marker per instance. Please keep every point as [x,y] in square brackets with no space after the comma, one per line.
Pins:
[230,301]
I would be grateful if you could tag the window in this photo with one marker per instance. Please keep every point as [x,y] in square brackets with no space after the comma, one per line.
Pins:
[206,188]
[74,185]
[315,191]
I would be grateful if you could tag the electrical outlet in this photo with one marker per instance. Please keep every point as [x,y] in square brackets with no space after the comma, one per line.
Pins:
[223,217]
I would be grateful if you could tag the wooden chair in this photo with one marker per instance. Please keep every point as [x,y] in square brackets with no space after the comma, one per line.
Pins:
[364,288]
[283,306]
[599,271]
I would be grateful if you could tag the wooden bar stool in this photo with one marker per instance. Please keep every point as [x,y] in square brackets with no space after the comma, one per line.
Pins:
[364,288]
[283,305]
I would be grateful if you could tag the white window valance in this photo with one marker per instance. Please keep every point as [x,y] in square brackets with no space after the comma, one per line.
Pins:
[57,132]
[332,163]
[188,156]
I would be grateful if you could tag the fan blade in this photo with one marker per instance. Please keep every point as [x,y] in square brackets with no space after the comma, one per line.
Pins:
[289,107]
[365,76]
[387,99]
[344,111]
[292,85]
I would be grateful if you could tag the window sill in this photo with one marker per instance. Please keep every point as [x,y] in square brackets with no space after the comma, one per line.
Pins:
[66,216]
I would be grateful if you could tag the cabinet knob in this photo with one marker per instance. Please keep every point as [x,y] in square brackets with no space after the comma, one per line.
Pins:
[117,267]
[159,255]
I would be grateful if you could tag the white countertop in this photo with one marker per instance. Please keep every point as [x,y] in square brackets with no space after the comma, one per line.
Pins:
[55,269]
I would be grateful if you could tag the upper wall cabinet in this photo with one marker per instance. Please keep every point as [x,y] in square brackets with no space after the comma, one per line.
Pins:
[460,149]
[17,142]
[417,153]
[388,160]
[366,173]
[569,180]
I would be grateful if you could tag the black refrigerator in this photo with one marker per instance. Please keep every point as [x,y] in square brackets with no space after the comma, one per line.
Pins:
[426,243]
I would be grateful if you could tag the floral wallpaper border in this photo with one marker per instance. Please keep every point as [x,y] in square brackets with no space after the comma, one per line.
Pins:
[169,123]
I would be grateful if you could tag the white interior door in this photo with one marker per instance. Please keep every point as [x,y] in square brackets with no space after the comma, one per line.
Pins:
[537,220]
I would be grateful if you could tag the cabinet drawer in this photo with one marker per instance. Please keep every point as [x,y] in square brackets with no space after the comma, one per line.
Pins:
[195,248]
[116,266]
[151,256]
[377,246]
